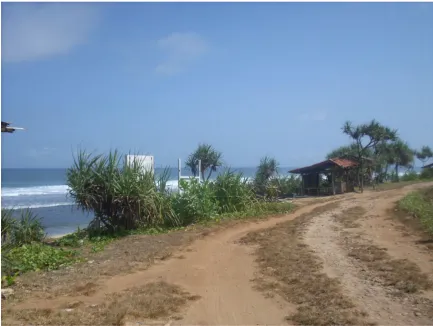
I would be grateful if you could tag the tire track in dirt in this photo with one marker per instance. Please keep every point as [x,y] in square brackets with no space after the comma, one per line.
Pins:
[324,237]
[216,268]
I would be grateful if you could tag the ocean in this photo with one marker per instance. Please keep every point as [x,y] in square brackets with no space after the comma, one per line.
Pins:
[46,193]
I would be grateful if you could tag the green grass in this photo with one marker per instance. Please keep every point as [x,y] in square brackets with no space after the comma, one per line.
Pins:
[35,257]
[420,205]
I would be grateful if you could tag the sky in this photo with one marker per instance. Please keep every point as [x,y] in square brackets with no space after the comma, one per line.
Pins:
[252,79]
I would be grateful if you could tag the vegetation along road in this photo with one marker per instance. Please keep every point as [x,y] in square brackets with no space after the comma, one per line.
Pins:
[350,259]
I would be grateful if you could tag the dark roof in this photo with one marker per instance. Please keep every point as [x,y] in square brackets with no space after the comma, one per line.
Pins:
[428,166]
[343,163]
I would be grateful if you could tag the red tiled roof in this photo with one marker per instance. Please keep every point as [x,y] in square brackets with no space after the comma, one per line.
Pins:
[344,162]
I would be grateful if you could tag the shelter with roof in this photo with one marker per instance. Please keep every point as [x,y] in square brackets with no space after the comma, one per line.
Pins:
[337,177]
[428,166]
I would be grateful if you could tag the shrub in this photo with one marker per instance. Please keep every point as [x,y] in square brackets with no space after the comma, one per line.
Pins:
[426,173]
[28,228]
[194,202]
[233,193]
[7,226]
[266,170]
[410,176]
[122,196]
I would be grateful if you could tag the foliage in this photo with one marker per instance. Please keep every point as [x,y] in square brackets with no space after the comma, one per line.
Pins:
[426,174]
[343,151]
[7,225]
[37,256]
[410,176]
[122,196]
[286,186]
[367,137]
[232,192]
[400,154]
[26,229]
[210,159]
[424,155]
[420,205]
[267,169]
[194,202]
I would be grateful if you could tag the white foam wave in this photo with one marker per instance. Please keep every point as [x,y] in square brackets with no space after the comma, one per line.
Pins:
[38,205]
[32,191]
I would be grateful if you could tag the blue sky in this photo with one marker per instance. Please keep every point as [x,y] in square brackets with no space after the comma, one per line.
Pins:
[252,79]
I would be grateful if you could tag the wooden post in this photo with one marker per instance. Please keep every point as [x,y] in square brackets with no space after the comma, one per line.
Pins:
[333,181]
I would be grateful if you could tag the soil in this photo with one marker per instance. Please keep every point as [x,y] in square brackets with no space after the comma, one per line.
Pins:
[219,271]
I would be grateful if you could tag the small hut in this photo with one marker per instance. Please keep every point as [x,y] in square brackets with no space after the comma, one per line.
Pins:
[329,177]
[6,127]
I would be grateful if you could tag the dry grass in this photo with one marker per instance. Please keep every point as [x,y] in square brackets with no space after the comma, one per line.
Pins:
[350,217]
[291,270]
[151,301]
[401,274]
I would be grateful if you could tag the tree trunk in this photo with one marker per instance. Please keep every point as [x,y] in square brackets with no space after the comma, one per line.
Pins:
[396,173]
[362,177]
[202,174]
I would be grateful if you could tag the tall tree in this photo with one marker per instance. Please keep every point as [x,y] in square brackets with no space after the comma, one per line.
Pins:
[424,155]
[365,138]
[401,155]
[210,158]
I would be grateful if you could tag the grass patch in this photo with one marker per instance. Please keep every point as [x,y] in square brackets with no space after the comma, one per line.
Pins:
[419,205]
[151,301]
[290,269]
[401,274]
[398,185]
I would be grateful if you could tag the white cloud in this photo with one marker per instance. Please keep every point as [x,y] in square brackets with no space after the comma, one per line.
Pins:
[33,31]
[314,116]
[181,50]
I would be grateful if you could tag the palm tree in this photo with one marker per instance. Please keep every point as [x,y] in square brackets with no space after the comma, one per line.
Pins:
[365,138]
[210,159]
[424,155]
[401,155]
[267,169]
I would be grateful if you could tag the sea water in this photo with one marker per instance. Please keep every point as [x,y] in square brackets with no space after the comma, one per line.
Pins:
[46,193]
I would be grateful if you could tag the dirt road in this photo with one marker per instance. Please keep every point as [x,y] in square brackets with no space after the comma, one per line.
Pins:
[220,270]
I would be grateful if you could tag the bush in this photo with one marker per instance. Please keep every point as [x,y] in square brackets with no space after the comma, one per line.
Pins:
[232,192]
[410,176]
[7,226]
[266,170]
[26,229]
[194,202]
[426,173]
[122,196]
